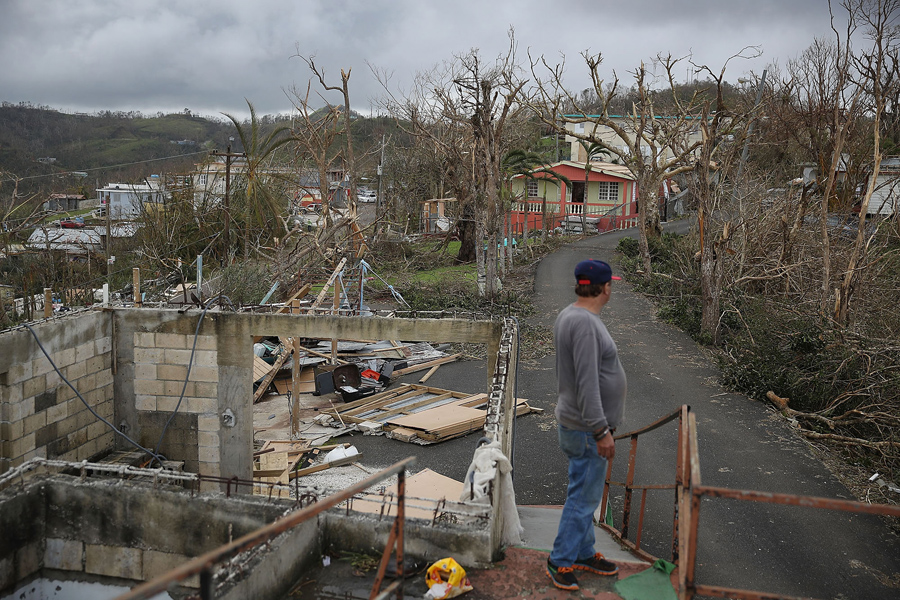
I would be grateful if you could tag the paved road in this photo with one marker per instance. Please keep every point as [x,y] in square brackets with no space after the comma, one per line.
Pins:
[743,444]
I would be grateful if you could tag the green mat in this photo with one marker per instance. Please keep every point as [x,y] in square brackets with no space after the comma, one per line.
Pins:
[651,584]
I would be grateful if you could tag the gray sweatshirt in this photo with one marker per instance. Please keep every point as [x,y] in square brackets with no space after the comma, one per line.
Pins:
[591,381]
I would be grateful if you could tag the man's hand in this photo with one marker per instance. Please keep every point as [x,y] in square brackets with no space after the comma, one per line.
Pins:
[606,447]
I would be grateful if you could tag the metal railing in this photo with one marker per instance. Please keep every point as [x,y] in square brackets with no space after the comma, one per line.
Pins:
[690,498]
[630,486]
[203,565]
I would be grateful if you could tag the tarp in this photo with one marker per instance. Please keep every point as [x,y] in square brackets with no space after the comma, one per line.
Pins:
[654,583]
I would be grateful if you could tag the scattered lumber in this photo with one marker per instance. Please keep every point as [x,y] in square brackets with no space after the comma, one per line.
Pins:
[418,412]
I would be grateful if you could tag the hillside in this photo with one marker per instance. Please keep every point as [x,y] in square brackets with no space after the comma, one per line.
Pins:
[123,146]
[104,145]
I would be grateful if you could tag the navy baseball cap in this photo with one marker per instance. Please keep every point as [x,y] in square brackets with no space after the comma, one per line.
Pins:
[591,272]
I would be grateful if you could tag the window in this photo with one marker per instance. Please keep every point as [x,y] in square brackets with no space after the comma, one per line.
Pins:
[532,188]
[609,192]
[203,179]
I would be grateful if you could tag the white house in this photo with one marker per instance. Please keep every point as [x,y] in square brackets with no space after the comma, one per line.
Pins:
[126,200]
[886,197]
[609,137]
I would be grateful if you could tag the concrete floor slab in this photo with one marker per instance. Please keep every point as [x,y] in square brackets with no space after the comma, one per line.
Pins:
[542,522]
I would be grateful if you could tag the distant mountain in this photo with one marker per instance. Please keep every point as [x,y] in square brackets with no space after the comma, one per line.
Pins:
[43,147]
[37,142]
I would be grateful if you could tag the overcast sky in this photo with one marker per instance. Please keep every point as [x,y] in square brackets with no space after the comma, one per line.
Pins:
[208,55]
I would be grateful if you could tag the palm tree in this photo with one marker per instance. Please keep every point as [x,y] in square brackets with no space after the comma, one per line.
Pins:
[591,151]
[261,202]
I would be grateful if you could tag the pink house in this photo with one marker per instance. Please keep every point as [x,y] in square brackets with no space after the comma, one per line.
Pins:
[607,199]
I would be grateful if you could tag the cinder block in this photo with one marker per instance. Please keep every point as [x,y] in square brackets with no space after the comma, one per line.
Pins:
[64,393]
[167,403]
[177,357]
[84,351]
[96,429]
[65,555]
[207,374]
[15,430]
[148,355]
[113,561]
[94,364]
[34,386]
[103,345]
[145,402]
[144,371]
[144,340]
[21,446]
[152,387]
[53,380]
[12,393]
[207,342]
[205,358]
[202,405]
[40,366]
[76,371]
[208,423]
[174,373]
[28,560]
[206,390]
[157,563]
[172,340]
[64,358]
[78,438]
[57,413]
[105,441]
[208,454]
[105,378]
[18,411]
[19,373]
[35,422]
[208,439]
[87,384]
[66,426]
[174,388]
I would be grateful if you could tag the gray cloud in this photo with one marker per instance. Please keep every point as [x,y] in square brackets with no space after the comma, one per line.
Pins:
[209,55]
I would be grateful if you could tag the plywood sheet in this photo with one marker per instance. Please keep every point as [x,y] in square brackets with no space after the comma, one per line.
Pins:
[260,368]
[425,484]
[446,416]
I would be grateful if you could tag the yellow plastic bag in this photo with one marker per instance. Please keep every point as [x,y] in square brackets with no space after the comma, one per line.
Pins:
[446,579]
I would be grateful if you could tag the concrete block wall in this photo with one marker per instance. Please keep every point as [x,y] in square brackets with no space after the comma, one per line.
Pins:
[39,414]
[161,362]
[153,350]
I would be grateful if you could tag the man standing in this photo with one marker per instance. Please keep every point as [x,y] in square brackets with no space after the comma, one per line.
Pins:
[591,388]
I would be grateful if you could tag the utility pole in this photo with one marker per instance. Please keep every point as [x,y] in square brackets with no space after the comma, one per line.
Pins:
[378,201]
[228,154]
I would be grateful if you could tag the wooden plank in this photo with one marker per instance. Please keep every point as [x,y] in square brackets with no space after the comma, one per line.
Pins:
[260,368]
[337,463]
[268,378]
[403,434]
[430,372]
[425,365]
[327,285]
[303,291]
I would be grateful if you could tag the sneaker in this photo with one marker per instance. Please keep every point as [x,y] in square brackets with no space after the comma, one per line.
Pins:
[562,577]
[596,564]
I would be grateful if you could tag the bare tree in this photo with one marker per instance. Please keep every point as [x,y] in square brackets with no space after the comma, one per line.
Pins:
[652,147]
[465,109]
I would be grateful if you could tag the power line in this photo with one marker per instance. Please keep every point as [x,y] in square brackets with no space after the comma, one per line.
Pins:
[140,162]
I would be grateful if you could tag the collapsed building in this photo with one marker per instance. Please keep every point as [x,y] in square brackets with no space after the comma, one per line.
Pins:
[177,386]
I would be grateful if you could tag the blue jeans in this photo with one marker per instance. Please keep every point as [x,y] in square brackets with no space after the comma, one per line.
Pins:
[587,472]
